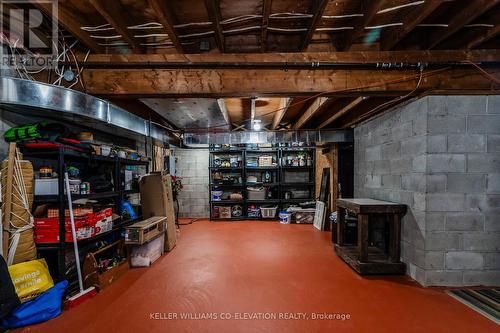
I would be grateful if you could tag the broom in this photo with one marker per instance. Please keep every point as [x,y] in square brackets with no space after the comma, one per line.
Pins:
[84,294]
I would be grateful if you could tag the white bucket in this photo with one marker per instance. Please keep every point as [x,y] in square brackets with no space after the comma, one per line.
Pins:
[285,218]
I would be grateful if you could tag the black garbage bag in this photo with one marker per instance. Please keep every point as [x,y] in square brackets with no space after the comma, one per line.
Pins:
[8,296]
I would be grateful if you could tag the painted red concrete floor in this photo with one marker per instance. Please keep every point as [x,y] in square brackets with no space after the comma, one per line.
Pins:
[238,269]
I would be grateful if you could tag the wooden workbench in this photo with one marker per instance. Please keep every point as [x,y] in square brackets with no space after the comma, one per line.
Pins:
[363,258]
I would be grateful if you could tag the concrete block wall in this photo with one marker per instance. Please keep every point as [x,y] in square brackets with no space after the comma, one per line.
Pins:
[439,155]
[462,153]
[192,167]
[389,164]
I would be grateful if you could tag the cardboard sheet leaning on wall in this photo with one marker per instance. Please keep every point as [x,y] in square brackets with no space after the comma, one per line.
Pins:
[157,200]
[17,200]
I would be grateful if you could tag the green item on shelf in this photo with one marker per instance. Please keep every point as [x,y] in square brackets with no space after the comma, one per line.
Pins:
[37,131]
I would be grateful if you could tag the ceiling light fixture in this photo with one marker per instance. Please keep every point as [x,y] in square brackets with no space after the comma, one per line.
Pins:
[256,126]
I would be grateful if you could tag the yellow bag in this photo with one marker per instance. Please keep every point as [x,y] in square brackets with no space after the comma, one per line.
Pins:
[30,278]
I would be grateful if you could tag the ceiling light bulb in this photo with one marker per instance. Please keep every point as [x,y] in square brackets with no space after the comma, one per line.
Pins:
[257,126]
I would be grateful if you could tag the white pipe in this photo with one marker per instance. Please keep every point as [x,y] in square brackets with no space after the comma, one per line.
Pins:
[479,25]
[151,35]
[150,25]
[383,26]
[73,231]
[335,29]
[341,16]
[106,37]
[390,9]
[193,24]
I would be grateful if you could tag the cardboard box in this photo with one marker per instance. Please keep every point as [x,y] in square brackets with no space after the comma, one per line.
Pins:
[89,225]
[157,200]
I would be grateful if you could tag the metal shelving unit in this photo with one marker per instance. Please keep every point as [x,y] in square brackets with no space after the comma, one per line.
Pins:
[278,182]
[63,156]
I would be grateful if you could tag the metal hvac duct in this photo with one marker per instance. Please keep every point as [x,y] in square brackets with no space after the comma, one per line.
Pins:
[24,96]
[307,137]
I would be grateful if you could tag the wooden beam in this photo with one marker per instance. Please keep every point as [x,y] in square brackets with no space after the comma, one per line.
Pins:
[112,12]
[311,111]
[394,36]
[342,111]
[489,34]
[164,15]
[71,23]
[266,11]
[370,9]
[361,57]
[464,16]
[223,110]
[234,82]
[368,111]
[318,10]
[215,17]
[278,116]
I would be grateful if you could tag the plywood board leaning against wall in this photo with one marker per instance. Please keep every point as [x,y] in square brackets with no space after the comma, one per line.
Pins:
[327,158]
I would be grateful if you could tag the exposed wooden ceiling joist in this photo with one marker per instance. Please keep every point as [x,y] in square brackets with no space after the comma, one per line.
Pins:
[342,111]
[266,11]
[379,106]
[313,109]
[393,36]
[486,36]
[463,17]
[319,8]
[223,110]
[112,12]
[164,15]
[233,82]
[71,22]
[278,116]
[441,56]
[214,14]
[370,9]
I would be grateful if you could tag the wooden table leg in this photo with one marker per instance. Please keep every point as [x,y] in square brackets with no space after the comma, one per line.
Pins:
[340,226]
[363,237]
[395,238]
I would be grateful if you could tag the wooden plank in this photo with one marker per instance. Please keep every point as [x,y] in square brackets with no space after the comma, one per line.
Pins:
[361,57]
[311,111]
[214,14]
[112,12]
[164,15]
[278,116]
[7,208]
[363,237]
[463,17]
[266,11]
[71,23]
[370,110]
[318,10]
[340,226]
[371,206]
[393,36]
[342,111]
[377,263]
[218,83]
[370,9]
[394,237]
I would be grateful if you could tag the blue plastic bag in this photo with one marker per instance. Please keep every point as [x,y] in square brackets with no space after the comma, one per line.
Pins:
[44,307]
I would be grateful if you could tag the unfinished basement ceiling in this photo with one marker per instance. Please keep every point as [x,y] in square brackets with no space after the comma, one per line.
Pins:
[227,28]
[189,113]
